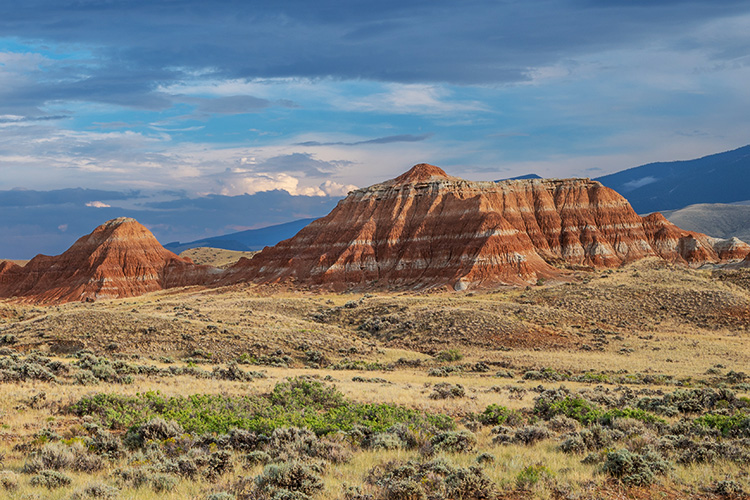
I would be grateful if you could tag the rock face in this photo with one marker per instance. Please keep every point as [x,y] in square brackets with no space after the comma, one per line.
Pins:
[120,258]
[425,229]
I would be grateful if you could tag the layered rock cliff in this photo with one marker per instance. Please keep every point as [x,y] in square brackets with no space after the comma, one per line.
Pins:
[120,258]
[425,228]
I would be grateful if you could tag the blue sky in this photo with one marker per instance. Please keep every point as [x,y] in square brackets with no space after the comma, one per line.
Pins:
[193,98]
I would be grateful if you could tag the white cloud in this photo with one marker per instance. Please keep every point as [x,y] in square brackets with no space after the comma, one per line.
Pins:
[236,184]
[336,189]
[411,98]
[97,204]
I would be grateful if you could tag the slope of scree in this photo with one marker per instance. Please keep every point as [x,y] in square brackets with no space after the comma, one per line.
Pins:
[120,258]
[426,229]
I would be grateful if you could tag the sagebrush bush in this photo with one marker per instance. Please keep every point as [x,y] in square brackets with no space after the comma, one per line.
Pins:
[96,490]
[9,480]
[162,482]
[531,434]
[257,457]
[729,488]
[404,489]
[386,441]
[635,469]
[158,429]
[50,479]
[291,476]
[221,495]
[106,444]
[462,441]
[52,456]
[438,479]
[87,462]
[445,390]
[470,483]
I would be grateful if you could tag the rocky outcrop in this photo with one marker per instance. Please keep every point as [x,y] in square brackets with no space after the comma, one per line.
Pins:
[425,229]
[120,258]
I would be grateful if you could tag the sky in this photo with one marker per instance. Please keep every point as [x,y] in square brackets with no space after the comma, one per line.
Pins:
[146,102]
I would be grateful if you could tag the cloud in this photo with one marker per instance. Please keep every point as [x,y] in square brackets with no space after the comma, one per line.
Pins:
[412,98]
[4,119]
[229,105]
[407,42]
[97,204]
[304,163]
[380,140]
[238,183]
[57,197]
[331,188]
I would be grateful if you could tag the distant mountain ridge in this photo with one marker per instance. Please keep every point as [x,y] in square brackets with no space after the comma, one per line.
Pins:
[245,241]
[717,178]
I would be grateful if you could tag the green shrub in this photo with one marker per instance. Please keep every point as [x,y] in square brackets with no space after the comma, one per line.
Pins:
[297,403]
[301,393]
[736,425]
[450,355]
[495,414]
[531,475]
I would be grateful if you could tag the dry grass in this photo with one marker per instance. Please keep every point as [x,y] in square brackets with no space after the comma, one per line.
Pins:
[640,319]
[216,257]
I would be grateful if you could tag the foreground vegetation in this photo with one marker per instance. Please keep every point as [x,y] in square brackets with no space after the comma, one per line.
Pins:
[261,435]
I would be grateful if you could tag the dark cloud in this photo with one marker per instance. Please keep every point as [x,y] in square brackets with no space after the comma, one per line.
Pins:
[74,196]
[380,140]
[416,41]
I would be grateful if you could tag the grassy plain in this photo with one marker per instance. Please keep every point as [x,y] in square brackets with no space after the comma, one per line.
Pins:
[616,341]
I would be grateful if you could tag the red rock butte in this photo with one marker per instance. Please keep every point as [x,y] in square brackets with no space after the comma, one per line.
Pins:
[427,229]
[120,258]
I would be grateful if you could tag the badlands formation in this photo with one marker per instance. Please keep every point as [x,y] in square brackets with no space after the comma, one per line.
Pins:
[423,229]
[120,258]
